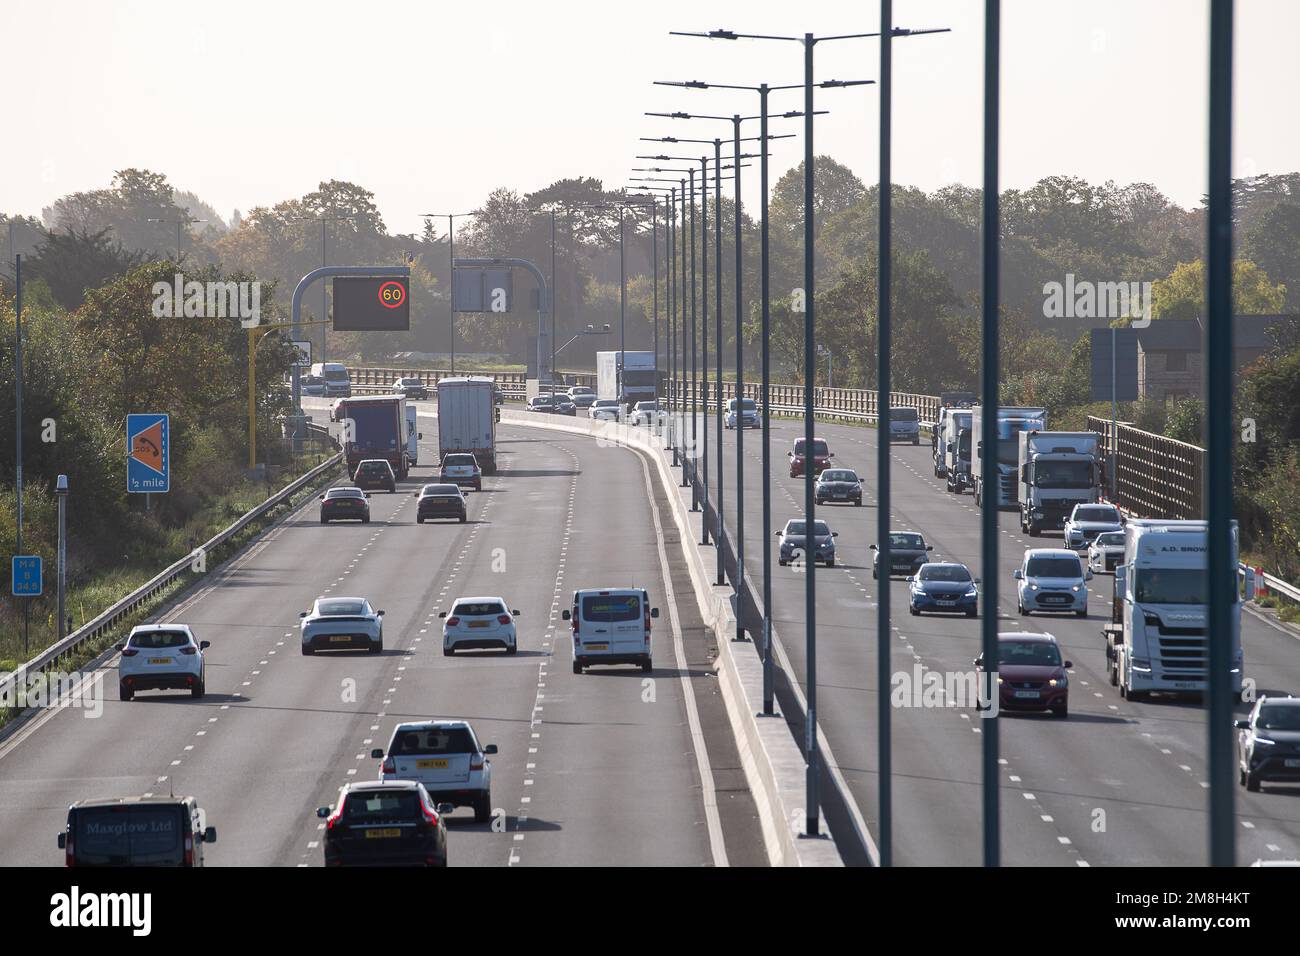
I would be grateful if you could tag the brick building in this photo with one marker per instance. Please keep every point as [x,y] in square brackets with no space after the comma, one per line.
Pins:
[1169,353]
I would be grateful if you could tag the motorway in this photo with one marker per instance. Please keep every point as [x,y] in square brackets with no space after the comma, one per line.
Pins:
[1118,783]
[601,769]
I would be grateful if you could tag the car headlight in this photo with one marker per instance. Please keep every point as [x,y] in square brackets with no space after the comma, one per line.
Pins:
[1141,663]
[1033,587]
[999,680]
[1061,681]
[972,593]
[1076,587]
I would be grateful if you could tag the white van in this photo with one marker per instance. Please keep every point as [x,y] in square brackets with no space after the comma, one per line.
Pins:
[611,626]
[413,435]
[338,383]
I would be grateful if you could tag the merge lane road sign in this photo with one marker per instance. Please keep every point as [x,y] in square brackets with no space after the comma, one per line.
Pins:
[148,463]
[26,575]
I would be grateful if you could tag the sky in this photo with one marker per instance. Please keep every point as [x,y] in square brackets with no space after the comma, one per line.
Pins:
[433,105]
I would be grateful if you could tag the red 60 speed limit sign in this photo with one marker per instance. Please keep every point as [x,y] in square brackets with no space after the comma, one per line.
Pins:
[372,304]
[392,294]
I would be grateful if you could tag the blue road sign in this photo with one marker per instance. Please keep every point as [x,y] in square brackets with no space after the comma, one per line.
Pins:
[25,580]
[148,462]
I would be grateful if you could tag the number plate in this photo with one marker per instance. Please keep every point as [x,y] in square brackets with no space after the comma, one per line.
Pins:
[437,764]
[479,623]
[1028,694]
[160,660]
[388,833]
[595,647]
[943,603]
[340,638]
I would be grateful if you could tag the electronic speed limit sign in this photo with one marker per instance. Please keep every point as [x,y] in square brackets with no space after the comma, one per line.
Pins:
[368,304]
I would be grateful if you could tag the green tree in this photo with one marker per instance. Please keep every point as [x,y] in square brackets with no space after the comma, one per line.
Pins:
[1182,294]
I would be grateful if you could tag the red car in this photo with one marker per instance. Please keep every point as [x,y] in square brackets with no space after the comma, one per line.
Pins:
[822,456]
[1031,674]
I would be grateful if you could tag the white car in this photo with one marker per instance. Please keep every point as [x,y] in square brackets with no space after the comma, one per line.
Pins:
[1088,521]
[161,657]
[461,468]
[644,413]
[341,623]
[445,756]
[475,622]
[1106,551]
[1052,579]
[748,413]
[605,409]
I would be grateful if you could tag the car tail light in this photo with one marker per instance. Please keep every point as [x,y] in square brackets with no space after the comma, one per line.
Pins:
[389,766]
[189,849]
[189,650]
[334,817]
[70,855]
[504,618]
[453,621]
[129,652]
[429,813]
[476,762]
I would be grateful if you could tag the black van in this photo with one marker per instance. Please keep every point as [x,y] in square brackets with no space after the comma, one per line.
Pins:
[135,831]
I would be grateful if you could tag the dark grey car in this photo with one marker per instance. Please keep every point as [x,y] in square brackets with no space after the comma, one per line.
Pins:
[907,552]
[794,542]
[839,484]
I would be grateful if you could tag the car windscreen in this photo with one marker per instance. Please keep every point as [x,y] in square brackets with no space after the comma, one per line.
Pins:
[374,806]
[1171,586]
[1111,538]
[836,474]
[1278,717]
[1053,568]
[902,415]
[610,608]
[1039,653]
[340,608]
[478,608]
[336,375]
[1065,474]
[375,467]
[132,835]
[345,493]
[819,447]
[433,740]
[458,460]
[944,572]
[820,528]
[411,381]
[907,542]
[440,491]
[1096,514]
[160,639]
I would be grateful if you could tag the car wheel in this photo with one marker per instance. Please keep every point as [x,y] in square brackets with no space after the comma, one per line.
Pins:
[647,665]
[1062,711]
[512,649]
[577,668]
[463,519]
[449,652]
[324,520]
[199,689]
[123,693]
[857,503]
[1083,613]
[874,575]
[911,609]
[781,561]
[1020,609]
[308,650]
[366,520]
[1252,782]
[483,808]
[376,647]
[830,562]
[419,520]
[1241,776]
[972,613]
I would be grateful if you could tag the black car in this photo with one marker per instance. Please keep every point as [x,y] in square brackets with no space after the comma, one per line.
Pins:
[440,501]
[344,504]
[839,484]
[411,388]
[375,473]
[556,404]
[498,396]
[1268,743]
[385,823]
[135,831]
[907,552]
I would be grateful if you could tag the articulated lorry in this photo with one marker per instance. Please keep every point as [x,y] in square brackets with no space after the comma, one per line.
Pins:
[467,417]
[1158,638]
[1012,420]
[377,426]
[639,380]
[946,432]
[1058,470]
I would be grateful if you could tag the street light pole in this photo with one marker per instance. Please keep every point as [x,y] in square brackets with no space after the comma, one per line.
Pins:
[769,691]
[813,758]
[61,492]
[739,583]
[719,538]
[883,278]
[694,387]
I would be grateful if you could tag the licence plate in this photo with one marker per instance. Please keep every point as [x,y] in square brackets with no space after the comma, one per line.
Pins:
[478,623]
[1289,762]
[160,660]
[340,638]
[1028,694]
[595,647]
[388,833]
[942,603]
[439,764]
[1054,599]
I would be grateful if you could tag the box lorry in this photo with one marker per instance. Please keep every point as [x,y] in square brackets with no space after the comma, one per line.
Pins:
[375,426]
[467,417]
[639,378]
[1158,640]
[1011,421]
[946,429]
[1058,470]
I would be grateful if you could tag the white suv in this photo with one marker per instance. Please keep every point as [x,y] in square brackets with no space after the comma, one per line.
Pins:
[476,622]
[1052,579]
[445,756]
[161,657]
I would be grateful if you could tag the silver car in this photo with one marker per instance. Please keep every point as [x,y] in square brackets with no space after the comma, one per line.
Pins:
[1106,551]
[605,409]
[341,623]
[1089,520]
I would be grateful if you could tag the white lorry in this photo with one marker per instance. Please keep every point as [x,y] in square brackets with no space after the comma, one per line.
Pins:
[947,450]
[1058,470]
[1012,420]
[1158,636]
[639,377]
[467,418]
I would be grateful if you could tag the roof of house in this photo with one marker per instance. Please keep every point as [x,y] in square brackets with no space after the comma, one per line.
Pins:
[1248,332]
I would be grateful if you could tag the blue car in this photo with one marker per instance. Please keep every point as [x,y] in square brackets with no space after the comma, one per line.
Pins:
[944,587]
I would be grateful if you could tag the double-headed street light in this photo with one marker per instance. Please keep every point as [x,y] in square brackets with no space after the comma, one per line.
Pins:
[451,281]
[188,220]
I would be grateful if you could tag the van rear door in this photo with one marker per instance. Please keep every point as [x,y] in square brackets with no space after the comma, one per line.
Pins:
[614,622]
[148,834]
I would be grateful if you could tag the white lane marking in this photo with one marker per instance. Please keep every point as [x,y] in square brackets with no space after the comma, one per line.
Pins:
[707,787]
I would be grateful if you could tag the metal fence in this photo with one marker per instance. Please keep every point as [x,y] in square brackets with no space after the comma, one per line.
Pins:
[1155,476]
